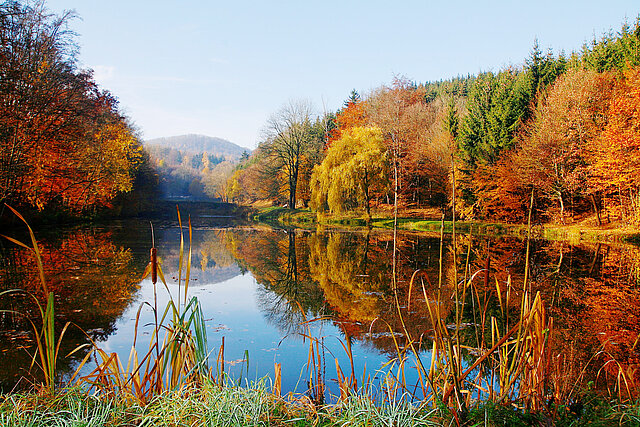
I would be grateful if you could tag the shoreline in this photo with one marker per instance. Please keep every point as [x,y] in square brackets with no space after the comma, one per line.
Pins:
[575,233]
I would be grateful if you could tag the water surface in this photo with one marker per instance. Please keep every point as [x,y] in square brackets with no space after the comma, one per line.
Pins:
[260,287]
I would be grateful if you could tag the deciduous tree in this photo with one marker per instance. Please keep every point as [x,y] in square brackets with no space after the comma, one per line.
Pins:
[287,138]
[615,154]
[552,157]
[63,142]
[356,167]
[404,117]
[351,115]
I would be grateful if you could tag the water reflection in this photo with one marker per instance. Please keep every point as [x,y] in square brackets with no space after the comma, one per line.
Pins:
[93,280]
[278,260]
[211,261]
[591,291]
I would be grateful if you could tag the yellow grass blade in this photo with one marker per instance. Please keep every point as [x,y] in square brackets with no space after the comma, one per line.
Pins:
[186,280]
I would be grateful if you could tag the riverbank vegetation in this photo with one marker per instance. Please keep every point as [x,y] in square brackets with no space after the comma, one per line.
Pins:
[424,220]
[561,126]
[257,406]
[556,138]
[65,146]
[471,328]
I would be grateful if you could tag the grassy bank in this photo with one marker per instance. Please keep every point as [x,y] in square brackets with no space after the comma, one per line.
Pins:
[575,233]
[255,405]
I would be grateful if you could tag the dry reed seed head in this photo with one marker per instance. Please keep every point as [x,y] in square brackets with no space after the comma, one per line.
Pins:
[154,265]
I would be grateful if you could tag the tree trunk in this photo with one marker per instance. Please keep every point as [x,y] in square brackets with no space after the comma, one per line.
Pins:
[293,181]
[595,208]
[367,196]
[622,209]
[595,259]
[561,206]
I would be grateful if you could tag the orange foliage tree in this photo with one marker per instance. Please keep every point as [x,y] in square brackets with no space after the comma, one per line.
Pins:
[352,115]
[63,142]
[503,198]
[552,155]
[86,166]
[408,122]
[615,155]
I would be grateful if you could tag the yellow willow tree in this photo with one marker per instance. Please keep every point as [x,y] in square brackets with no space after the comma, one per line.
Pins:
[355,168]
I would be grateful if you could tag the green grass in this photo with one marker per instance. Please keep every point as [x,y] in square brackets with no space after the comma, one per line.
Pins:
[210,405]
[575,234]
[72,408]
[255,405]
[279,216]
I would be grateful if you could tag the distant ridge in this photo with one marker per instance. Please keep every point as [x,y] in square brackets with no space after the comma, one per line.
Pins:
[199,144]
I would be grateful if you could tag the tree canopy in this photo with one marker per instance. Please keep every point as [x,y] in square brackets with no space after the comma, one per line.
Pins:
[63,141]
[355,168]
[561,125]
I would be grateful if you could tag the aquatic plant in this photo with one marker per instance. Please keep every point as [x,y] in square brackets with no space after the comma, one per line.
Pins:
[178,352]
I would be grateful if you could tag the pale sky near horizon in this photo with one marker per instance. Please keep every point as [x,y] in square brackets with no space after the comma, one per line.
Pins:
[222,68]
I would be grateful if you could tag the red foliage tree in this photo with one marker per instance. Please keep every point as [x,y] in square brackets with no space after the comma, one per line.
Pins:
[352,115]
[615,155]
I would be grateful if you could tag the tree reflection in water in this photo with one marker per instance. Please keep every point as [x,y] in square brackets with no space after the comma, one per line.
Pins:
[93,279]
[591,290]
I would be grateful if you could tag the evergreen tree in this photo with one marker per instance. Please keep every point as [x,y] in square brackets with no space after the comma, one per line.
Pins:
[496,106]
[614,52]
[354,98]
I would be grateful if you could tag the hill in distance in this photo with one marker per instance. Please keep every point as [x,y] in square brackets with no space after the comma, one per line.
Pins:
[199,144]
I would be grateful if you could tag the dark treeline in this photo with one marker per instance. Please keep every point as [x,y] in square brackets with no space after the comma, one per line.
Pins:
[64,144]
[561,126]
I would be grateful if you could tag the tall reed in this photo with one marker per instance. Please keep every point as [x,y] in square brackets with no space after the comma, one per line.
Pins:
[510,359]
[178,352]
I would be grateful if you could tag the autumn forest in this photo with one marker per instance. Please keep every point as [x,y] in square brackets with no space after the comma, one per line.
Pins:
[564,127]
[561,126]
[65,145]
[448,326]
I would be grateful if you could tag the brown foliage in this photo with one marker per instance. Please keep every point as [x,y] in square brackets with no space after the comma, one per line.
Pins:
[412,130]
[615,154]
[552,153]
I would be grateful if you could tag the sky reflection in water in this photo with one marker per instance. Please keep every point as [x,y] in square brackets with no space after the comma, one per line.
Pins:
[253,285]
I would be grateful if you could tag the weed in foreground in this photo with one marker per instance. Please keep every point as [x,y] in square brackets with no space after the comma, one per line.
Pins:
[177,357]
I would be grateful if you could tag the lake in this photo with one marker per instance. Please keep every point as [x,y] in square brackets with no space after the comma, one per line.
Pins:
[266,291]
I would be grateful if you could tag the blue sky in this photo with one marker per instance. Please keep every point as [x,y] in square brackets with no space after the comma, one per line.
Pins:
[221,68]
